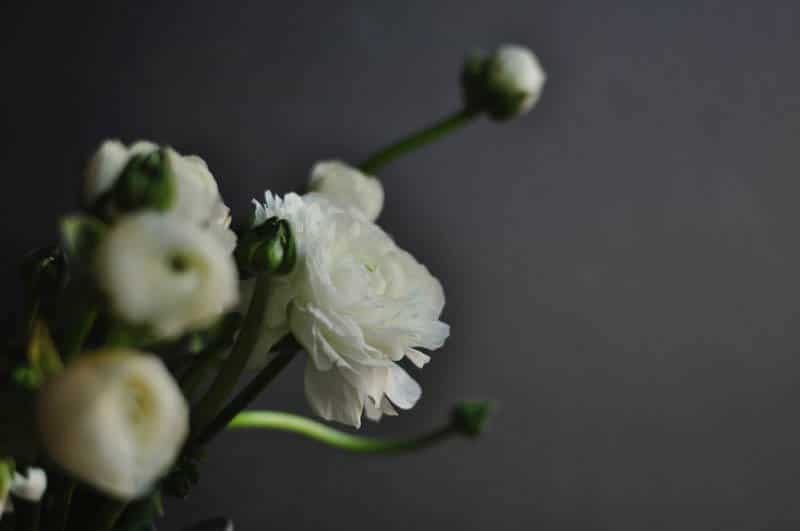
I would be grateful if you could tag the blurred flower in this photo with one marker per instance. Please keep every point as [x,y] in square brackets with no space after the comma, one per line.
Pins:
[358,304]
[160,271]
[30,487]
[505,84]
[115,419]
[347,187]
[194,194]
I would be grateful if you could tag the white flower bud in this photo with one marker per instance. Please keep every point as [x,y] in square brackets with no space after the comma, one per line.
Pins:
[506,84]
[115,419]
[107,164]
[29,488]
[195,195]
[347,187]
[161,271]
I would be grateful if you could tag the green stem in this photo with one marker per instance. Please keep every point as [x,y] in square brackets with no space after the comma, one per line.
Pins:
[416,140]
[63,503]
[195,375]
[30,516]
[226,380]
[245,397]
[276,420]
[106,515]
[79,331]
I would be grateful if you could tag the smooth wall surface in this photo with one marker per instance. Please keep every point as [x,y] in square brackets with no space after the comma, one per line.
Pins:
[621,265]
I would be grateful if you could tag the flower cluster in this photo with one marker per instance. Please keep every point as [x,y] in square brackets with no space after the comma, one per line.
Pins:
[142,324]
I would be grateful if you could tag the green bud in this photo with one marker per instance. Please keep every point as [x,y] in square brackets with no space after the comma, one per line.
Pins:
[469,418]
[269,247]
[146,182]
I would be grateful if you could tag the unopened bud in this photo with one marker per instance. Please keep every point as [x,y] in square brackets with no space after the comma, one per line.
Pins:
[145,183]
[269,247]
[505,84]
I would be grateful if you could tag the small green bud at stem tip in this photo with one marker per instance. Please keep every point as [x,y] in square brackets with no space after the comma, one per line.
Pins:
[267,248]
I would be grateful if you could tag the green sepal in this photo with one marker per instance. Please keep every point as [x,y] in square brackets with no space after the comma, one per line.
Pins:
[470,418]
[43,358]
[80,237]
[268,247]
[6,475]
[147,182]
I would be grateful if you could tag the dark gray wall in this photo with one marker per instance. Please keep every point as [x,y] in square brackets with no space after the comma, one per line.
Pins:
[621,265]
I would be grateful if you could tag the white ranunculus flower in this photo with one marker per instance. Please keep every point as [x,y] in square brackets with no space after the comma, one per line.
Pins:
[115,419]
[161,271]
[515,70]
[347,187]
[358,304]
[196,199]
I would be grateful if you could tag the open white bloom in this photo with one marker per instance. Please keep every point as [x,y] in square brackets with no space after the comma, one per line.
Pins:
[347,187]
[196,194]
[30,487]
[161,271]
[115,419]
[515,70]
[358,304]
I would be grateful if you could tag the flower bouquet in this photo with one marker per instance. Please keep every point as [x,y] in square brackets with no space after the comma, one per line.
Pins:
[155,322]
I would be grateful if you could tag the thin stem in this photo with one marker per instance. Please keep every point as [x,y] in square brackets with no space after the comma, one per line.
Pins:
[30,516]
[276,420]
[107,513]
[416,140]
[63,503]
[226,379]
[79,331]
[195,375]
[245,397]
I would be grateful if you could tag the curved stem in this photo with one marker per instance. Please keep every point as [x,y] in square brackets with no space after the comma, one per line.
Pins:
[416,140]
[226,380]
[277,420]
[245,397]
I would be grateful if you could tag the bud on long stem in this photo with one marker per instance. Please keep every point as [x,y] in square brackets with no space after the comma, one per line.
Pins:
[468,419]
[276,420]
[417,140]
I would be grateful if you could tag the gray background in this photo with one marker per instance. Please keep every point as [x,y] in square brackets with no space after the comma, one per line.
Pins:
[620,265]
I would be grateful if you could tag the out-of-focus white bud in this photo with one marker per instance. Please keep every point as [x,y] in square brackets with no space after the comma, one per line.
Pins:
[160,271]
[30,487]
[115,419]
[347,188]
